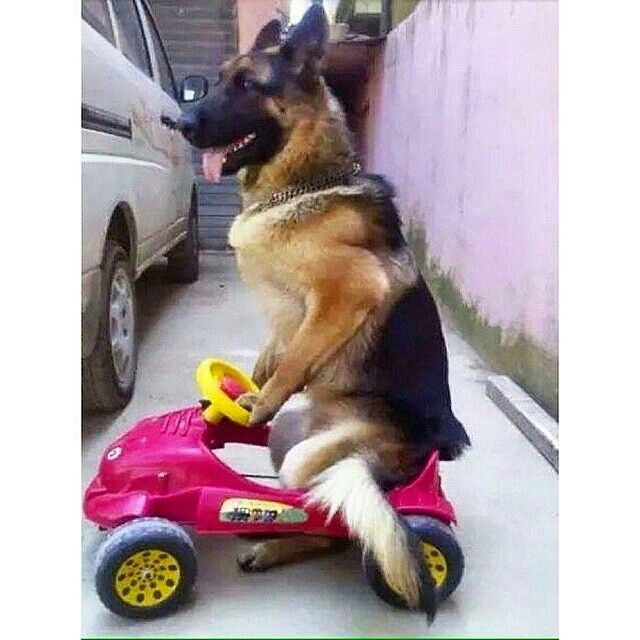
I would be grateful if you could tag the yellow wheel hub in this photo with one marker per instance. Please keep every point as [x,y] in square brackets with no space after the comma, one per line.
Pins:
[436,563]
[147,578]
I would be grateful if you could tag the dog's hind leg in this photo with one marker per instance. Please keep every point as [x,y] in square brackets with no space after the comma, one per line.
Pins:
[287,430]
[289,446]
[263,555]
[309,457]
[338,468]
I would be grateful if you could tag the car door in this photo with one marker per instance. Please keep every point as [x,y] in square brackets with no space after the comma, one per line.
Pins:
[149,168]
[181,178]
[106,134]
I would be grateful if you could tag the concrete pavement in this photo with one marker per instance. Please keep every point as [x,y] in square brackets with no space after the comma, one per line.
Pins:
[504,492]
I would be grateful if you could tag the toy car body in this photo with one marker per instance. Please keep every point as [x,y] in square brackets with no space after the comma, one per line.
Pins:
[165,467]
[164,472]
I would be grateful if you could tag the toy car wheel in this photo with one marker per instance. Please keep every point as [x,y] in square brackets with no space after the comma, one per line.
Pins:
[145,568]
[440,553]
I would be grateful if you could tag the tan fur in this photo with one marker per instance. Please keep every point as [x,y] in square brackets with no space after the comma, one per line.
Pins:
[347,486]
[279,551]
[319,286]
[327,282]
[314,454]
[317,142]
[340,480]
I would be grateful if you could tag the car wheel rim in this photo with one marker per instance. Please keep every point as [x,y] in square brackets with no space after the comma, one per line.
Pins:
[147,578]
[121,327]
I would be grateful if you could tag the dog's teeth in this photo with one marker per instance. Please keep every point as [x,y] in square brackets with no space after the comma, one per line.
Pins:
[239,144]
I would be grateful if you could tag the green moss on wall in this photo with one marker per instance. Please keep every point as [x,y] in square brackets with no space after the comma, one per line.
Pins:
[514,354]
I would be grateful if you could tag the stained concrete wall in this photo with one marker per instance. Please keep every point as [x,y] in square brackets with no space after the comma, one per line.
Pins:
[463,119]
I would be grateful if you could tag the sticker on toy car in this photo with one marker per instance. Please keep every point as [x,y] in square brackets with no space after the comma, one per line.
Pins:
[260,511]
[114,453]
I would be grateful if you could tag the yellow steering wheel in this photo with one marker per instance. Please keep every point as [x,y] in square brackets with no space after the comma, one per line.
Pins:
[209,375]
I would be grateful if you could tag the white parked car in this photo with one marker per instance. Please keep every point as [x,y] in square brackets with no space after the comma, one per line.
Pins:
[138,188]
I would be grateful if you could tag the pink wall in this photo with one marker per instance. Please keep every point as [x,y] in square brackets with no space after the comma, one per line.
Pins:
[463,119]
[252,16]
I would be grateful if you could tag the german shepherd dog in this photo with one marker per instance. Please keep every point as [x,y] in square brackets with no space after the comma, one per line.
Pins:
[353,323]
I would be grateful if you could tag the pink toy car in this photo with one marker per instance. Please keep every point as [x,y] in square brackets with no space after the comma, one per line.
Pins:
[163,473]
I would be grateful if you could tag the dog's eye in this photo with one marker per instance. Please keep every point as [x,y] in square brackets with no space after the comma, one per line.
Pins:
[244,83]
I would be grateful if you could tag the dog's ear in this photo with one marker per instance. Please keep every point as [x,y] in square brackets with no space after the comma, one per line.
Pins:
[306,42]
[269,36]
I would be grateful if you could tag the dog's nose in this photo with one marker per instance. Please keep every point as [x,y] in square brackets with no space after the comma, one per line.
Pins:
[188,122]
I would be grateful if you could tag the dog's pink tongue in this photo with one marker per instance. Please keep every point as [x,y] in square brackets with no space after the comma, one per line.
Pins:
[212,164]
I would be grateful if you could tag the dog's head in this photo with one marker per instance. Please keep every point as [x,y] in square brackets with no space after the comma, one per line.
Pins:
[249,115]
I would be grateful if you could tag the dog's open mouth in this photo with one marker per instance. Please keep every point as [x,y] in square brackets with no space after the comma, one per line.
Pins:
[214,158]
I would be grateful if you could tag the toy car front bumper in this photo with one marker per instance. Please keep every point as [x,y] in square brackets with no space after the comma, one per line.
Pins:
[109,510]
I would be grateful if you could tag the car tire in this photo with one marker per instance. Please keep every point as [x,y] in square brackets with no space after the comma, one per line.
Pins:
[184,260]
[145,568]
[109,373]
[442,556]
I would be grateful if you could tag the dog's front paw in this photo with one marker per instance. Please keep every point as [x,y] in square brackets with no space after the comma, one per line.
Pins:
[261,412]
[256,559]
[247,400]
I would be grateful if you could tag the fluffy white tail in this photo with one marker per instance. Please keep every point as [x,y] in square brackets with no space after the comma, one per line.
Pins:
[349,487]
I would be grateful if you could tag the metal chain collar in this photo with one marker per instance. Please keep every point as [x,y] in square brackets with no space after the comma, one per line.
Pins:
[306,186]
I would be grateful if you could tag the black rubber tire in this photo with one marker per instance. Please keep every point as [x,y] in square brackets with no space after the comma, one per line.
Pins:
[428,530]
[101,390]
[184,258]
[138,535]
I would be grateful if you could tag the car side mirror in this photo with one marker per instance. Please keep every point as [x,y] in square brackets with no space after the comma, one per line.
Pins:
[193,88]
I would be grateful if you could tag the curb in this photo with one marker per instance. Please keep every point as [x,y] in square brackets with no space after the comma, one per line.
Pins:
[534,422]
